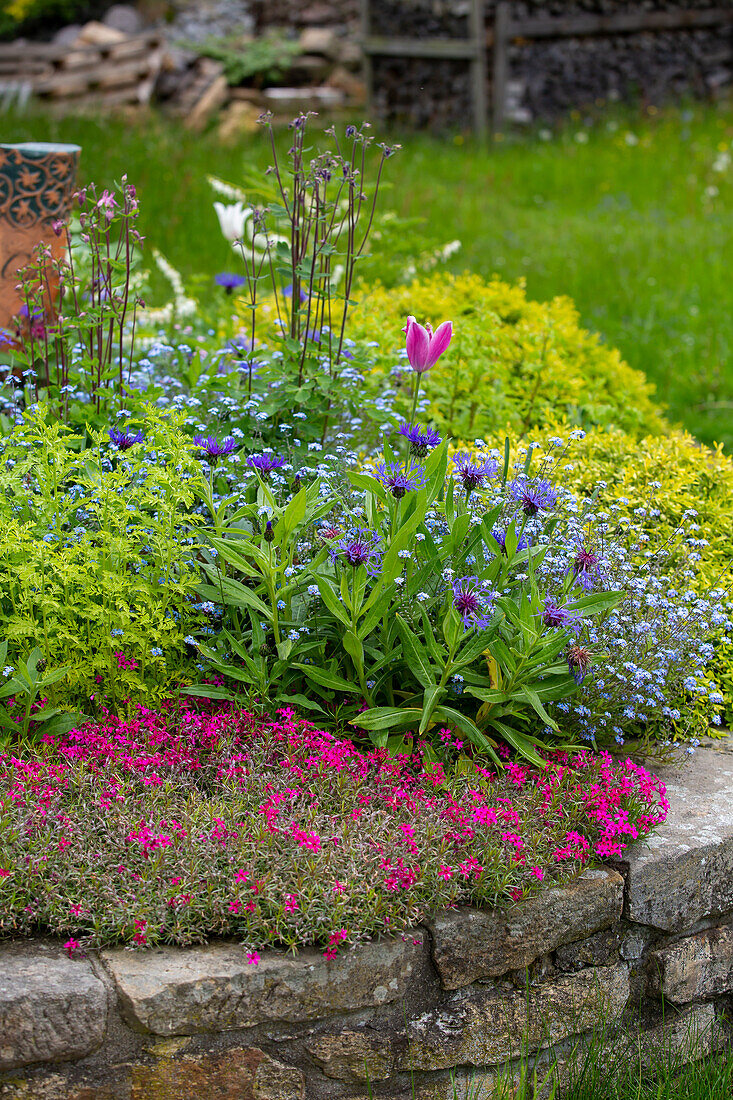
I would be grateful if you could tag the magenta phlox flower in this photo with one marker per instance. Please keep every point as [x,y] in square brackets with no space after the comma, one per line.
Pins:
[425,347]
[535,495]
[401,478]
[474,475]
[473,600]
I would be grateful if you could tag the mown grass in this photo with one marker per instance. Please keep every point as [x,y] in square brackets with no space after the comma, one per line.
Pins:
[626,214]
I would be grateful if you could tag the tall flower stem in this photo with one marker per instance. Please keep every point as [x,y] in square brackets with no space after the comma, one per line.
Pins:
[414,397]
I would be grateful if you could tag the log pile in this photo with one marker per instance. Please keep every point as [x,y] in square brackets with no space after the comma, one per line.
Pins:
[100,66]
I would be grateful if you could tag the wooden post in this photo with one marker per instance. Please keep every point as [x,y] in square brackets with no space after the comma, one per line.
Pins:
[477,32]
[500,69]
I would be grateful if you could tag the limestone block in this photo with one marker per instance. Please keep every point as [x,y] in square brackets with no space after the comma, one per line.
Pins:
[352,1055]
[696,966]
[51,1007]
[484,943]
[186,991]
[684,871]
[488,1028]
[226,1075]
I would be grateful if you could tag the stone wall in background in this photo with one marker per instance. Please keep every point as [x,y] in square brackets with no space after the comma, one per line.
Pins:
[644,950]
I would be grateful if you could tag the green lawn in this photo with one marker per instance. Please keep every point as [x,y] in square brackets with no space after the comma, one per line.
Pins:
[628,216]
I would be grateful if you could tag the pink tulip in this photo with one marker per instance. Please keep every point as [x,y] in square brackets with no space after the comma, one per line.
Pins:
[424,347]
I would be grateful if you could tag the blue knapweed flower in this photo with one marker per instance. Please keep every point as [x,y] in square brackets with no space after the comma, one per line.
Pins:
[360,547]
[586,566]
[124,440]
[420,439]
[400,478]
[579,662]
[560,618]
[523,542]
[288,292]
[229,280]
[264,463]
[473,601]
[534,496]
[212,449]
[473,475]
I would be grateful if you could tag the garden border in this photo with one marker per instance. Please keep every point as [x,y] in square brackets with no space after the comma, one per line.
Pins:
[441,1007]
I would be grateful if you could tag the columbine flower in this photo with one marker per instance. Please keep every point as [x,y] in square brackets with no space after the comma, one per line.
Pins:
[557,617]
[420,439]
[473,474]
[212,449]
[424,347]
[473,600]
[538,496]
[579,661]
[265,464]
[361,547]
[124,440]
[400,478]
[229,280]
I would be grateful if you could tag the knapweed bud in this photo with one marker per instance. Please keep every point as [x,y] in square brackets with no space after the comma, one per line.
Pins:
[268,534]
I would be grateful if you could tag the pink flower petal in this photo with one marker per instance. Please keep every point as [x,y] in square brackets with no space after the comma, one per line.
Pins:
[439,342]
[418,346]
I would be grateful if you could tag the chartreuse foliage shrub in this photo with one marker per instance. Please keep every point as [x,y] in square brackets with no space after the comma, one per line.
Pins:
[515,364]
[96,568]
[686,493]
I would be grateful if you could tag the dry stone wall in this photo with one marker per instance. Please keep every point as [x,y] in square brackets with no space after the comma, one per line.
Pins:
[644,949]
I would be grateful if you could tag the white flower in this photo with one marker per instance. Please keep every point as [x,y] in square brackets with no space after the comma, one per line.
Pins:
[232,219]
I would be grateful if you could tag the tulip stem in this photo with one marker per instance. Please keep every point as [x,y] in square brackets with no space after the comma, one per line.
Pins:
[414,397]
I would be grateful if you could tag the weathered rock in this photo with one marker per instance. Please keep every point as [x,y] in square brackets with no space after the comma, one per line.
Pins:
[487,1028]
[51,1007]
[484,943]
[229,1075]
[475,1085]
[697,966]
[185,991]
[123,17]
[352,1055]
[684,871]
[319,40]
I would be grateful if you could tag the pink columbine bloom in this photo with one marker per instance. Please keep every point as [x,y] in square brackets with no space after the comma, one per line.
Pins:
[425,347]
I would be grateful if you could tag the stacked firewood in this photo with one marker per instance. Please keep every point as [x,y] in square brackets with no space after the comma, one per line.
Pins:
[101,65]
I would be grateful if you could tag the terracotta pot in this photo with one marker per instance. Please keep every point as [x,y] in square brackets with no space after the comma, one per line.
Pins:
[36,185]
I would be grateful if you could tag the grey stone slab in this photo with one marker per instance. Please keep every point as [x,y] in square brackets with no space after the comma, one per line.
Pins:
[51,1007]
[186,991]
[684,872]
[487,1027]
[480,943]
[696,966]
